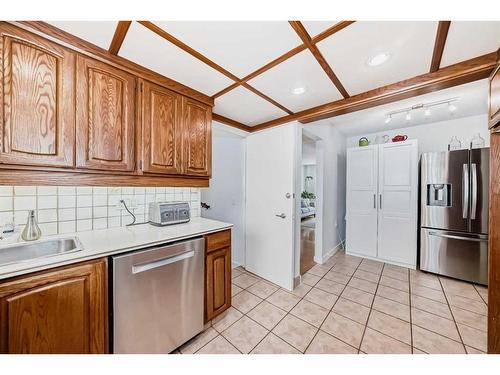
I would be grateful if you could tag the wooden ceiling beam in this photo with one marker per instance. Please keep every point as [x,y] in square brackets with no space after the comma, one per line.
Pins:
[227,121]
[450,76]
[318,38]
[331,30]
[307,40]
[441,34]
[159,31]
[119,36]
[165,35]
[265,97]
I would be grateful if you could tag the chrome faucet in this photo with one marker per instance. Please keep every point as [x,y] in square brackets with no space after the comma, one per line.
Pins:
[31,231]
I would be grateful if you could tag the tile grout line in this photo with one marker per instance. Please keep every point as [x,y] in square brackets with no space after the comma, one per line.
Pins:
[245,314]
[452,315]
[411,319]
[480,296]
[371,307]
[331,309]
[271,330]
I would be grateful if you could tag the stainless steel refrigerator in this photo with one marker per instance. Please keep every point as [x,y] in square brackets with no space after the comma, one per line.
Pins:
[454,214]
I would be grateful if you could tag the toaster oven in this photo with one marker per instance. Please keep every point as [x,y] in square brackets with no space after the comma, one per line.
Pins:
[167,213]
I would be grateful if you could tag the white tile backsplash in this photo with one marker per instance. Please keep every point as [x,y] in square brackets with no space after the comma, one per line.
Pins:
[66,209]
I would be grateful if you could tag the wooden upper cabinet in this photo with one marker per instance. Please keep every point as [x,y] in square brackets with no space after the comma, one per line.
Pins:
[37,99]
[494,98]
[105,113]
[162,130]
[59,311]
[197,129]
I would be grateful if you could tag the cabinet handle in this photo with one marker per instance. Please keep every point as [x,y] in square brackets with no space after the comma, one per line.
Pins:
[380,203]
[374,200]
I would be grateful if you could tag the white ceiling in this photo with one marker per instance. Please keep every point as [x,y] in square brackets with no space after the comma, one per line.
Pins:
[243,47]
[301,70]
[148,49]
[473,100]
[469,39]
[239,47]
[409,44]
[99,33]
[244,106]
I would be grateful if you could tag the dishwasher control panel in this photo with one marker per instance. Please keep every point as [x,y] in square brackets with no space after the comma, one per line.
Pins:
[167,213]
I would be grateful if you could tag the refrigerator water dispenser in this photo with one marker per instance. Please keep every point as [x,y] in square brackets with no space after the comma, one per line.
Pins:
[439,195]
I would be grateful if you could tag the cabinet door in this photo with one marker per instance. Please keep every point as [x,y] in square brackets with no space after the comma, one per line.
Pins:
[218,283]
[494,98]
[37,96]
[197,138]
[361,201]
[57,311]
[162,130]
[398,192]
[105,117]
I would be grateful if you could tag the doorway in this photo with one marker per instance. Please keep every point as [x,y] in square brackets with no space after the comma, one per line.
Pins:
[310,201]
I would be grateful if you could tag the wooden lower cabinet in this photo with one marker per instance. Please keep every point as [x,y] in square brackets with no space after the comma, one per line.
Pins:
[217,273]
[62,310]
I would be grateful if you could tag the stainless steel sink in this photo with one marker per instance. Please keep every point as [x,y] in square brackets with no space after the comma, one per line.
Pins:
[21,252]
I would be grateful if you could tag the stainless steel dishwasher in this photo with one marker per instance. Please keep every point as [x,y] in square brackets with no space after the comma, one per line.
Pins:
[157,300]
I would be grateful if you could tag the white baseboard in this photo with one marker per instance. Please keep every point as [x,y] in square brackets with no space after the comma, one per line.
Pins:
[235,264]
[328,254]
[412,266]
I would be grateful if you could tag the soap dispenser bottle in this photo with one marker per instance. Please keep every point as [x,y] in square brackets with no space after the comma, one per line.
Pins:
[31,231]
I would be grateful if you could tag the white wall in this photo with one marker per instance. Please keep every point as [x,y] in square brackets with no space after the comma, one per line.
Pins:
[226,194]
[332,146]
[436,136]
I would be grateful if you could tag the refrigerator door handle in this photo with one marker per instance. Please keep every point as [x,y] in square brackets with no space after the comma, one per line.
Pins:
[458,237]
[473,193]
[465,191]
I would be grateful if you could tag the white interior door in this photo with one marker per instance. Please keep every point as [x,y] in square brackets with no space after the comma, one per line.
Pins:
[398,173]
[361,201]
[270,168]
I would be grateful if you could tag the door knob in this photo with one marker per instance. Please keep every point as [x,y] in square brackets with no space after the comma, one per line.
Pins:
[281,215]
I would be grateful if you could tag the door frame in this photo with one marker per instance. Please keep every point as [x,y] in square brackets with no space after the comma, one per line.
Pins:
[318,235]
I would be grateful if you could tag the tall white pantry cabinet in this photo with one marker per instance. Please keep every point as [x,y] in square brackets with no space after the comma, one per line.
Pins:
[381,202]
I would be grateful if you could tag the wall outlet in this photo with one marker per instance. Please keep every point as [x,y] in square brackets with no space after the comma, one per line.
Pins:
[132,204]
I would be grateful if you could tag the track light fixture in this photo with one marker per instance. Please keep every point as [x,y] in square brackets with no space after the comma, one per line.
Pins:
[426,107]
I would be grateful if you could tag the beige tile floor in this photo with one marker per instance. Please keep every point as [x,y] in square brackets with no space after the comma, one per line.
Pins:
[349,305]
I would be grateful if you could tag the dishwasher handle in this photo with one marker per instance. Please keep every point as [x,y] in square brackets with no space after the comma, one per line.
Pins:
[138,268]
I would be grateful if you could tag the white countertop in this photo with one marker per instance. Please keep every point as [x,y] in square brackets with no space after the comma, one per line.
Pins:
[104,242]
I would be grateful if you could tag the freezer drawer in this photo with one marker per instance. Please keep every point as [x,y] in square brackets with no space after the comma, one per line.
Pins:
[158,297]
[460,255]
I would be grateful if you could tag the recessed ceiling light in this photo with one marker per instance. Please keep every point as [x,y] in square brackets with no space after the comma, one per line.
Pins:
[378,59]
[298,90]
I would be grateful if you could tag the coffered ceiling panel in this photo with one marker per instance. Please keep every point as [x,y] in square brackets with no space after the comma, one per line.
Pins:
[99,33]
[300,71]
[409,45]
[239,47]
[244,106]
[316,27]
[469,39]
[146,48]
